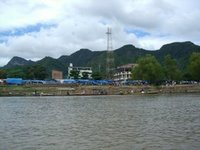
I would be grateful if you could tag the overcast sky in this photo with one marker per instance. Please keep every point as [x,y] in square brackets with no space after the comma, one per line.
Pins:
[33,29]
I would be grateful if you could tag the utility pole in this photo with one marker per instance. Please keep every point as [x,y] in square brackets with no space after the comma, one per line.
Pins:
[109,57]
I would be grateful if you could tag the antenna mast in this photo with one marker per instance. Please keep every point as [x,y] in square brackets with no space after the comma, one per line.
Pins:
[109,58]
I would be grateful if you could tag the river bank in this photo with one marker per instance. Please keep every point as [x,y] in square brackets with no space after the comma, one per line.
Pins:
[70,90]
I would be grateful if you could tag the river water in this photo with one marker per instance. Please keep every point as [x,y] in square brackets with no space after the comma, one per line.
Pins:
[147,122]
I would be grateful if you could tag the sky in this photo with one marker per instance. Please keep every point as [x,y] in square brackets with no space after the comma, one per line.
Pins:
[33,29]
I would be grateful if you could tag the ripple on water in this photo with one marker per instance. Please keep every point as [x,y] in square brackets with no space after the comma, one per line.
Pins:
[110,122]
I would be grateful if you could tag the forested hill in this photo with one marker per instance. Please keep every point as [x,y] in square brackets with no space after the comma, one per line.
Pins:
[18,61]
[180,51]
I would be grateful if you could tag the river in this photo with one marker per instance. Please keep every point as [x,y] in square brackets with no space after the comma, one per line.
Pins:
[148,122]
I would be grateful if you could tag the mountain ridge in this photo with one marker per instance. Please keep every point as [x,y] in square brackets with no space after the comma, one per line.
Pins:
[180,51]
[18,61]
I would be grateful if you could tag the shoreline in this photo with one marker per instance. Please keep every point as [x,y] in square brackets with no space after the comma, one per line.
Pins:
[89,90]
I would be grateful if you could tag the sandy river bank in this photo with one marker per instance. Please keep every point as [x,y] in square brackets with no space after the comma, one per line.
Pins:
[67,90]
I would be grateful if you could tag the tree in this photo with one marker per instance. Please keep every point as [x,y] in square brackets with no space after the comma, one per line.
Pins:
[194,66]
[35,72]
[85,75]
[170,69]
[74,74]
[16,73]
[97,76]
[29,71]
[149,69]
[40,72]
[3,74]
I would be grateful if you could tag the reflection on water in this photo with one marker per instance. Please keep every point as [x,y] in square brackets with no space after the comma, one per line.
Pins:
[93,123]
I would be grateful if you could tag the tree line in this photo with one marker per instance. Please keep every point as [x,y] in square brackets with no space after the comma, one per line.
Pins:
[148,68]
[28,72]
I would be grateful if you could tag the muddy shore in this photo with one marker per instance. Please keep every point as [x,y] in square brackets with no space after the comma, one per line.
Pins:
[78,90]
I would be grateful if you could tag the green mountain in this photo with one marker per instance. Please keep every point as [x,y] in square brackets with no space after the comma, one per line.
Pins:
[51,64]
[18,61]
[79,58]
[180,51]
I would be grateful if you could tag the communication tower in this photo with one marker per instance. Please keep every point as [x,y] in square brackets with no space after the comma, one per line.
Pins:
[109,57]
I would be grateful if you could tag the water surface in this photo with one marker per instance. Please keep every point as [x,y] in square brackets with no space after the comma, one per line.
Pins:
[101,122]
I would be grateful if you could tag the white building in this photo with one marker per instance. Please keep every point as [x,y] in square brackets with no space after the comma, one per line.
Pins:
[81,70]
[124,72]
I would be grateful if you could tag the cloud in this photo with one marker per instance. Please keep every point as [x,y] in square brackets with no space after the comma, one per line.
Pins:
[35,29]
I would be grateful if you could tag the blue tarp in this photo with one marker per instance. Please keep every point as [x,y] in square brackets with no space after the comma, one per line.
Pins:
[19,81]
[16,81]
[87,82]
[103,82]
[38,81]
[69,81]
[34,81]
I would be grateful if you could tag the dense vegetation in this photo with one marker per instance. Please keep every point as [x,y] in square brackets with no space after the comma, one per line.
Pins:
[150,69]
[174,56]
[28,72]
[194,66]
